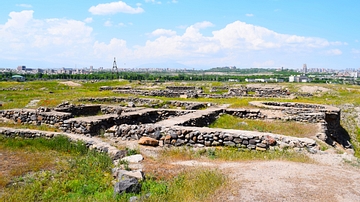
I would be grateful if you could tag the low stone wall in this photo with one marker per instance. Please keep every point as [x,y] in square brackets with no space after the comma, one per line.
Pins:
[328,116]
[206,119]
[91,143]
[147,102]
[193,92]
[123,100]
[201,137]
[96,125]
[161,93]
[218,88]
[79,110]
[190,105]
[114,88]
[246,113]
[32,116]
[182,88]
[258,92]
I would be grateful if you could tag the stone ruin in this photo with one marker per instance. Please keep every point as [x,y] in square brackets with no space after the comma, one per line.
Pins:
[196,92]
[184,124]
[166,127]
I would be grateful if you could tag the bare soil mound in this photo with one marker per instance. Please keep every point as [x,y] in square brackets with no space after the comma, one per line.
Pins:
[285,181]
[70,83]
[314,89]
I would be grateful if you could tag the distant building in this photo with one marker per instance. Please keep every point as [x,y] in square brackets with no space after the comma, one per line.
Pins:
[18,78]
[354,74]
[21,68]
[299,78]
[305,70]
[271,80]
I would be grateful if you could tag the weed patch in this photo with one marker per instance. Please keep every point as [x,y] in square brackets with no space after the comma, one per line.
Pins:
[289,128]
[56,170]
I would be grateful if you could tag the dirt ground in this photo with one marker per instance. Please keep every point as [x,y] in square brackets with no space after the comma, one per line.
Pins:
[330,177]
[70,83]
[314,89]
[285,181]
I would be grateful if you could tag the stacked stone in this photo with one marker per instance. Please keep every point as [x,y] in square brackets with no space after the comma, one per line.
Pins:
[258,92]
[190,105]
[32,116]
[215,89]
[78,110]
[188,136]
[246,113]
[97,125]
[136,101]
[102,88]
[91,143]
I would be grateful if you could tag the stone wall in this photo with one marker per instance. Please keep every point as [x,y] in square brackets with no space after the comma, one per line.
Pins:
[327,116]
[246,113]
[78,110]
[193,92]
[32,116]
[123,100]
[91,143]
[97,125]
[200,137]
[161,93]
[139,102]
[190,105]
[258,92]
[114,88]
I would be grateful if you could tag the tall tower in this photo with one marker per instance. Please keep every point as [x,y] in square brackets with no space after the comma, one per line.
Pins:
[304,68]
[114,66]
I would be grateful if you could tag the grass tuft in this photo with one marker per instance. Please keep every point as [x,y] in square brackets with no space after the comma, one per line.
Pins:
[289,128]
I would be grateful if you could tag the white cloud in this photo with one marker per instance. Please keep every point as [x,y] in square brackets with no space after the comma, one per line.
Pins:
[88,20]
[113,8]
[250,37]
[355,51]
[202,25]
[24,5]
[108,23]
[47,39]
[163,32]
[333,52]
[65,40]
[153,1]
[174,1]
[249,15]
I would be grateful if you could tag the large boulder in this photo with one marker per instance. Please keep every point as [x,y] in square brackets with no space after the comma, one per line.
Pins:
[148,141]
[130,185]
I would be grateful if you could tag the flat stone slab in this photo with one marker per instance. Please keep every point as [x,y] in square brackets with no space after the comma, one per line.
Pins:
[133,158]
[181,119]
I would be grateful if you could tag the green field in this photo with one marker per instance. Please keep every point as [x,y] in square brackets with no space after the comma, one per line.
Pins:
[58,170]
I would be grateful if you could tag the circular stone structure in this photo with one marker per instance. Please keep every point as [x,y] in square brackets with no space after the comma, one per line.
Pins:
[295,106]
[328,116]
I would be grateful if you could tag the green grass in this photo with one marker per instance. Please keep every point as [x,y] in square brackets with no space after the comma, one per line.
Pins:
[59,170]
[51,93]
[233,154]
[195,185]
[76,173]
[289,128]
[42,127]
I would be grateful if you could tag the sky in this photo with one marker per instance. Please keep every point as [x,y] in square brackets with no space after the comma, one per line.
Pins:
[198,34]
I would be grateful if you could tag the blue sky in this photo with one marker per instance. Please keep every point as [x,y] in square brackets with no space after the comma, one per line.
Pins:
[198,34]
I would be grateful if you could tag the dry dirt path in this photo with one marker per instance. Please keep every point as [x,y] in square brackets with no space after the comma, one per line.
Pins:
[286,181]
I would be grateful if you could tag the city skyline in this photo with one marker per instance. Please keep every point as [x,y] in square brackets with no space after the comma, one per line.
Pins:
[193,34]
